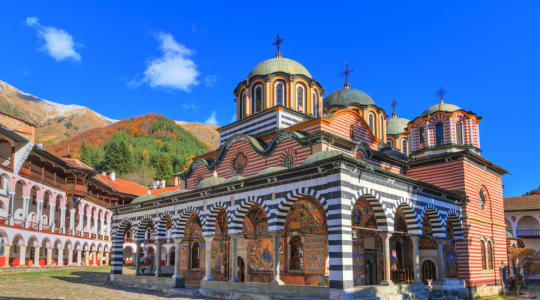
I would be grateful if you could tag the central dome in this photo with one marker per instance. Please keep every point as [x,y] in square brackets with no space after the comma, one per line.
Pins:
[444,107]
[279,65]
[346,97]
[396,125]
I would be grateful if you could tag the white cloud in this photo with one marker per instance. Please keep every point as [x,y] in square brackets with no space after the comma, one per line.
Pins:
[212,120]
[209,80]
[190,106]
[57,43]
[233,119]
[174,69]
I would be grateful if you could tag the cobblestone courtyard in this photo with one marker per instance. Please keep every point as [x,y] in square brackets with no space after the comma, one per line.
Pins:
[80,283]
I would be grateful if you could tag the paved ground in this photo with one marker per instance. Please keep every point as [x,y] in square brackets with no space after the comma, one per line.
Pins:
[80,283]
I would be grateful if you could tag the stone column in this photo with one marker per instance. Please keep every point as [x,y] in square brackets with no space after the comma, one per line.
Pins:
[79,257]
[51,217]
[81,223]
[385,236]
[440,262]
[39,214]
[106,258]
[208,257]
[36,256]
[157,259]
[11,205]
[60,257]
[7,252]
[70,257]
[22,255]
[94,258]
[137,256]
[276,279]
[86,257]
[177,274]
[49,256]
[234,259]
[416,259]
[26,204]
[63,219]
[72,221]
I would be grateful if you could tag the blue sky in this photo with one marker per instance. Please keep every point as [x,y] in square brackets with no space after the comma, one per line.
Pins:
[183,60]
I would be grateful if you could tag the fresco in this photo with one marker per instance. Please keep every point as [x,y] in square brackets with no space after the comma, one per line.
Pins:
[255,223]
[220,259]
[305,217]
[315,253]
[450,254]
[358,262]
[260,255]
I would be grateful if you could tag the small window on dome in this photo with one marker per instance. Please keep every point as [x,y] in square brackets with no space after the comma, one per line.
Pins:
[421,137]
[459,133]
[381,134]
[315,99]
[372,125]
[257,98]
[404,147]
[280,93]
[300,97]
[242,105]
[390,142]
[439,134]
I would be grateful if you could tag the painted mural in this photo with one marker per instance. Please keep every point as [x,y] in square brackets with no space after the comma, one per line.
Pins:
[365,226]
[450,254]
[315,253]
[193,235]
[220,248]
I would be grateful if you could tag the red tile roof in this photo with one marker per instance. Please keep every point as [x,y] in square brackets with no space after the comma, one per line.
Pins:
[77,163]
[122,185]
[528,202]
[165,189]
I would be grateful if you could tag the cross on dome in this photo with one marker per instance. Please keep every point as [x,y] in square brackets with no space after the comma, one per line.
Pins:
[277,43]
[394,102]
[346,74]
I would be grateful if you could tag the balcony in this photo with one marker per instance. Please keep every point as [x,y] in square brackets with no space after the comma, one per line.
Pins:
[528,233]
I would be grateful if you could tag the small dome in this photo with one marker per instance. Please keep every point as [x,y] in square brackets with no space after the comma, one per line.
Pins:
[444,107]
[277,65]
[210,181]
[321,155]
[396,125]
[271,170]
[346,97]
[143,198]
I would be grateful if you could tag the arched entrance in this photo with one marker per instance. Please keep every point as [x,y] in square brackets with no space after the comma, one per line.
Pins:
[306,240]
[260,246]
[450,253]
[220,248]
[367,245]
[401,255]
[240,273]
[429,272]
[192,257]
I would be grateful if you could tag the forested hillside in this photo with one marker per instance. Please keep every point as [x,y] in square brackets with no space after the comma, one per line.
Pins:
[140,149]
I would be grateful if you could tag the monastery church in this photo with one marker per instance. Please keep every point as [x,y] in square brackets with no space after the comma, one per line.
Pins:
[324,197]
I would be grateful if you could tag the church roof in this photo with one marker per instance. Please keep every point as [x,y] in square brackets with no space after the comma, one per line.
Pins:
[321,155]
[444,107]
[279,65]
[396,125]
[346,97]
[271,170]
[210,181]
[527,202]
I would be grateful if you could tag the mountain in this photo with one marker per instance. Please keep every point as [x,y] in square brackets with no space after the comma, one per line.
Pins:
[205,133]
[54,122]
[139,149]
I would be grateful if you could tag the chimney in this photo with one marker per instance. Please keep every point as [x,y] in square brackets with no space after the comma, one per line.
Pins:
[104,173]
[112,176]
[163,183]
[156,184]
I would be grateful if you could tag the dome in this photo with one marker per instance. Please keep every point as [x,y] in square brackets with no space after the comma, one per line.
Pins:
[396,125]
[210,181]
[346,97]
[271,170]
[444,107]
[321,155]
[277,65]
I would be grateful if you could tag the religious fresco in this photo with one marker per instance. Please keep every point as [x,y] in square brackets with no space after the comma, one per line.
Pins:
[255,223]
[427,242]
[220,259]
[305,217]
[260,255]
[192,233]
[359,276]
[450,254]
[315,253]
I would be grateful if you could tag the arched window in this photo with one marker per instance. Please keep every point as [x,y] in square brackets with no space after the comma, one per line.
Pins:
[372,125]
[2,244]
[490,255]
[242,104]
[195,256]
[296,254]
[404,147]
[288,160]
[315,99]
[279,93]
[381,135]
[482,198]
[300,98]
[257,98]
[439,134]
[390,142]
[421,137]
[459,133]
[483,252]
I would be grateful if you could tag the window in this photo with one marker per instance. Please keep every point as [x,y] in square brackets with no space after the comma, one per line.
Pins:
[482,198]
[483,252]
[381,135]
[489,255]
[421,137]
[404,147]
[2,243]
[288,160]
[390,143]
[242,108]
[257,98]
[315,99]
[296,254]
[439,134]
[300,97]
[279,91]
[372,125]
[459,133]
[195,256]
